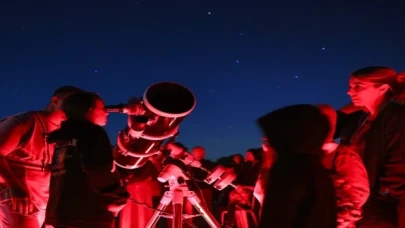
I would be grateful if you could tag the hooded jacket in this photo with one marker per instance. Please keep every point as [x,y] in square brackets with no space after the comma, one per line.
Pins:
[299,192]
[82,184]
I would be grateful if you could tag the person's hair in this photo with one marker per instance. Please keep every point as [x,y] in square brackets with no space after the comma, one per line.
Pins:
[251,150]
[199,148]
[380,75]
[65,91]
[238,155]
[257,153]
[77,105]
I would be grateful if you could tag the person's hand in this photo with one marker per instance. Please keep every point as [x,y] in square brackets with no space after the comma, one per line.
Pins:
[2,180]
[240,195]
[21,201]
[113,168]
[175,150]
[240,188]
[115,209]
[135,107]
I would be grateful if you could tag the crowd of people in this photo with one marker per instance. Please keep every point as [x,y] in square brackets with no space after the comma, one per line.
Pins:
[57,166]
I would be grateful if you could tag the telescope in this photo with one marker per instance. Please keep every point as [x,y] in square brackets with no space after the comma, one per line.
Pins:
[153,124]
[153,121]
[175,174]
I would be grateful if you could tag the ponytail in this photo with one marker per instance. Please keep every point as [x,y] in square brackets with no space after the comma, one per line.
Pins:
[399,89]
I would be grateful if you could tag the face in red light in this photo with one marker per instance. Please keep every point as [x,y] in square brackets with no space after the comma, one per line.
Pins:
[237,159]
[269,154]
[365,94]
[265,145]
[249,157]
[98,114]
[198,153]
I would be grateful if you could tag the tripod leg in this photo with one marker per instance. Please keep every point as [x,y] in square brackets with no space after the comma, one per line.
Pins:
[164,202]
[209,218]
[177,202]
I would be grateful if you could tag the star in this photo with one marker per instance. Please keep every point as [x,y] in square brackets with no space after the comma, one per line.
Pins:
[237,61]
[241,34]
[212,90]
[323,48]
[296,77]
[95,71]
[209,13]
[277,87]
[23,27]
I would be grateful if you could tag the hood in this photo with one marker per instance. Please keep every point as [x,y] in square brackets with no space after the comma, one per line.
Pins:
[296,129]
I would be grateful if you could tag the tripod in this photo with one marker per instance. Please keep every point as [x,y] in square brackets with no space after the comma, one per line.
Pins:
[178,191]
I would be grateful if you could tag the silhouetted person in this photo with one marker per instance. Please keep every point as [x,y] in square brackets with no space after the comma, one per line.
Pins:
[251,168]
[237,163]
[85,191]
[299,192]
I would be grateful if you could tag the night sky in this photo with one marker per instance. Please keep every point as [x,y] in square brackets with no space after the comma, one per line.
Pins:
[240,58]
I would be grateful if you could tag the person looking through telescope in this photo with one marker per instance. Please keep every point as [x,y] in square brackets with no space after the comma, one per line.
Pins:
[84,190]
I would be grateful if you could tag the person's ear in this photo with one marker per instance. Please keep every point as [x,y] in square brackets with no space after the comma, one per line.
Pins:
[54,101]
[384,88]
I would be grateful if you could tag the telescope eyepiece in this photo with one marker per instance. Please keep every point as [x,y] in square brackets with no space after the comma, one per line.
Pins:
[115,108]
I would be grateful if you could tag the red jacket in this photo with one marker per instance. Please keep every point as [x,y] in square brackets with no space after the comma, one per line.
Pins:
[351,184]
